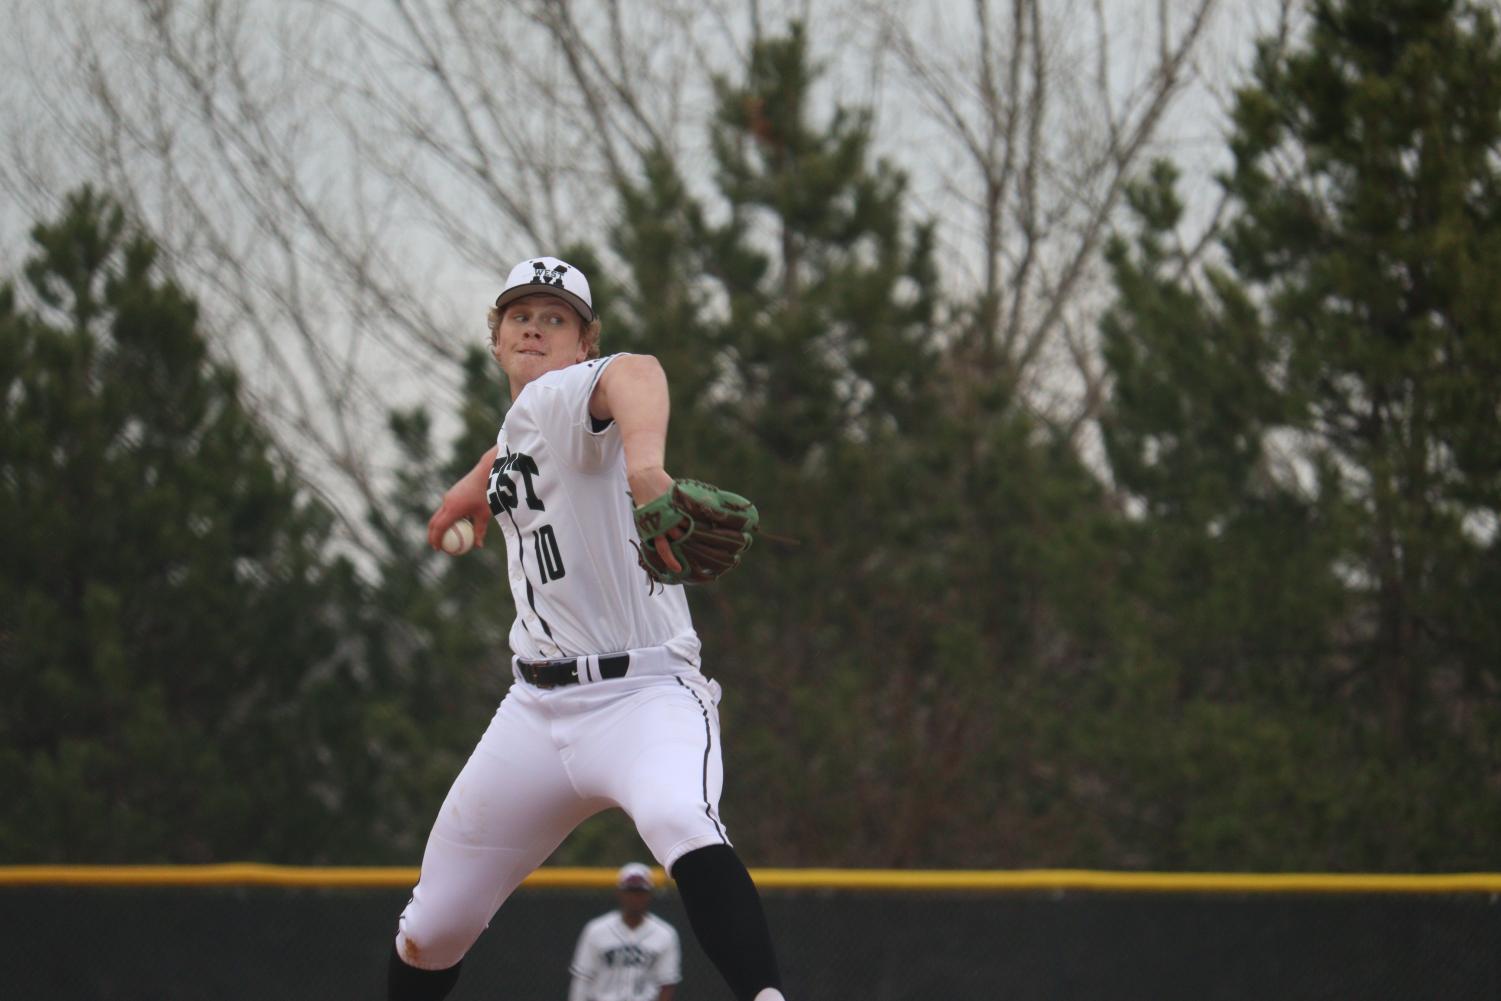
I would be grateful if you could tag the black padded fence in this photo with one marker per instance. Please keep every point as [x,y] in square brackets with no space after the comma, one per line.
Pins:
[225,943]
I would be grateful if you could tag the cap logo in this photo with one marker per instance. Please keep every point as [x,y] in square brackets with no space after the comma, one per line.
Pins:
[543,275]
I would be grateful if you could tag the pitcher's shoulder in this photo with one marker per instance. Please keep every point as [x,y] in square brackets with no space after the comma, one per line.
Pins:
[580,373]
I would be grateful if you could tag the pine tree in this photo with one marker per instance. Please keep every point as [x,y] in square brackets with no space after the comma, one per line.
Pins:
[167,609]
[1310,429]
[1367,165]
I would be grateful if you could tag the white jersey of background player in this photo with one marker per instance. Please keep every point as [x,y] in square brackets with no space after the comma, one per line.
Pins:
[629,954]
[609,708]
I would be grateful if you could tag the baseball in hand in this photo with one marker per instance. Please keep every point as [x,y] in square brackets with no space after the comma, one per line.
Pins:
[459,537]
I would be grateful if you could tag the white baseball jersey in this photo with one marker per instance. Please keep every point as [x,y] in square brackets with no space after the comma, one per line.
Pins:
[545,493]
[614,962]
[646,742]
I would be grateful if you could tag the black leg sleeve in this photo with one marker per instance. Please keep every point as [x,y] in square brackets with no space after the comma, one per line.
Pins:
[725,912]
[408,983]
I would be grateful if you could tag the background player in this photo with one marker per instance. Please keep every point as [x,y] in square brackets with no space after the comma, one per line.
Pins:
[609,707]
[628,954]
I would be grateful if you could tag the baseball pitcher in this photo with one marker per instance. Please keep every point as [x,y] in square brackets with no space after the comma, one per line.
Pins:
[608,706]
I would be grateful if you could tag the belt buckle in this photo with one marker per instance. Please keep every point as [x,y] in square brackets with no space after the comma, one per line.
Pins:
[540,673]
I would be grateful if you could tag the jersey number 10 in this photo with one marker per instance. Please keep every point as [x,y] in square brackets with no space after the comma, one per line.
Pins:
[549,557]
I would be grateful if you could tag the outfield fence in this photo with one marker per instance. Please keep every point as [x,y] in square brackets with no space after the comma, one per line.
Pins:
[248,931]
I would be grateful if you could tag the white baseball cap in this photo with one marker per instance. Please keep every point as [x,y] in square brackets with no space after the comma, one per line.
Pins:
[552,276]
[634,876]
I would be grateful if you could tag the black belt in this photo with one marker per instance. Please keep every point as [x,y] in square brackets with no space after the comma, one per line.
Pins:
[557,673]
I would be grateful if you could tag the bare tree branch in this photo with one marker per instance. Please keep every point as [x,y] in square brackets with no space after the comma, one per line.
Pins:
[342,182]
[1049,156]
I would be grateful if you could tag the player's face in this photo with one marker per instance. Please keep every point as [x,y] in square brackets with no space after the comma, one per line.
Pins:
[537,334]
[634,902]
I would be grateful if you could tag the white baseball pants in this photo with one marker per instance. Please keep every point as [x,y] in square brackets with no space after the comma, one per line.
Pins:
[551,758]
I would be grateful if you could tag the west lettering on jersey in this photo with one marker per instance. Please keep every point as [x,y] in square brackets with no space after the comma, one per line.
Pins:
[502,494]
[628,955]
[527,467]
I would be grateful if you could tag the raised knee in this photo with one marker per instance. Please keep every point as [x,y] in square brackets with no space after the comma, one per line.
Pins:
[434,948]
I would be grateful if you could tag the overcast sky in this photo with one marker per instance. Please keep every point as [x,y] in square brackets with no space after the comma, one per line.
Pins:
[453,282]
